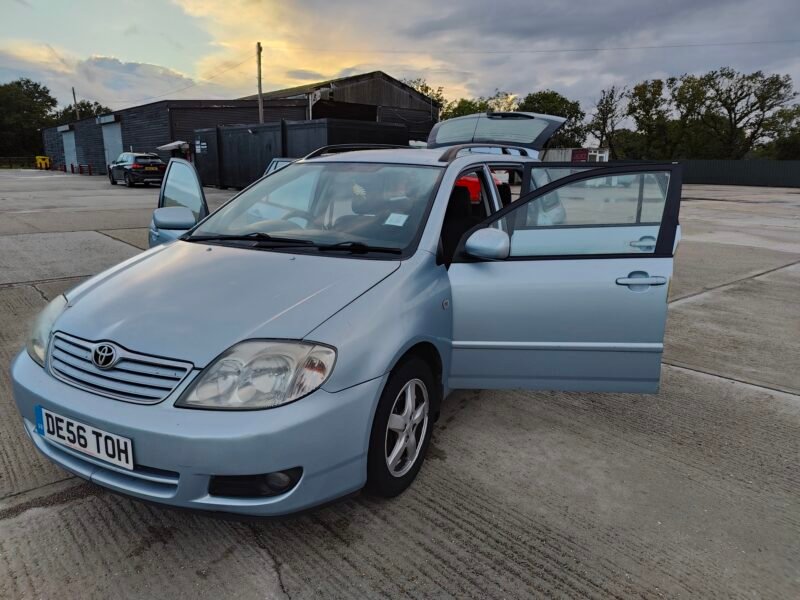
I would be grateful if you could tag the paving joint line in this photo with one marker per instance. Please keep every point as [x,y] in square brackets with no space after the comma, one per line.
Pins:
[34,282]
[735,281]
[40,487]
[116,239]
[733,379]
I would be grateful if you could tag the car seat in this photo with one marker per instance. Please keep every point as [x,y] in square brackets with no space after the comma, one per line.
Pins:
[457,221]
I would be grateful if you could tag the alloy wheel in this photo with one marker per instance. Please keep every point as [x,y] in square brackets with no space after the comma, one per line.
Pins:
[406,428]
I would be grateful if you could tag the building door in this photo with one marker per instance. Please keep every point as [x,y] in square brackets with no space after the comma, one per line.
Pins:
[112,141]
[70,154]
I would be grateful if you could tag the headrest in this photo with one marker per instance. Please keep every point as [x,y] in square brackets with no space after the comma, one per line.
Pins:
[460,203]
[363,205]
[504,190]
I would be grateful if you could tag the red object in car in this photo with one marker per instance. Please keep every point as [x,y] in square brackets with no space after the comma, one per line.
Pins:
[472,183]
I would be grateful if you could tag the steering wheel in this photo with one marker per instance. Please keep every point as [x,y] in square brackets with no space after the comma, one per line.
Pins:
[303,214]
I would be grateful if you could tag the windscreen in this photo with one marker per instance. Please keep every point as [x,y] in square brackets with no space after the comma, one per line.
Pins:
[326,203]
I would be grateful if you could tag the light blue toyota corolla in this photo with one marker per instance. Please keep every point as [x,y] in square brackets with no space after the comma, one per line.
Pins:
[295,345]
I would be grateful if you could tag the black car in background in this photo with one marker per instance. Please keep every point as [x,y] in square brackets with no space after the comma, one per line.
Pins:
[137,167]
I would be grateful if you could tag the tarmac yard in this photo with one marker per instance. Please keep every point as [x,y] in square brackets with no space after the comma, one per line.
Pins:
[693,492]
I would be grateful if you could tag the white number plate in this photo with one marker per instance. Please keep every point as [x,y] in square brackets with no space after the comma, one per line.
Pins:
[85,438]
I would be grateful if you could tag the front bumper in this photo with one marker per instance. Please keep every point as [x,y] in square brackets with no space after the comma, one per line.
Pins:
[176,451]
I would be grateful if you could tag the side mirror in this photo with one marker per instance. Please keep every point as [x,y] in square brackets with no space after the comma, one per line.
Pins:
[491,244]
[174,217]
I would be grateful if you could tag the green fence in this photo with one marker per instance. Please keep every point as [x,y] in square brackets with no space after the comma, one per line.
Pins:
[772,173]
[17,162]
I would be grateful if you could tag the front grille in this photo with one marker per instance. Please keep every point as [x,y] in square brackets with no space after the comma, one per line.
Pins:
[134,377]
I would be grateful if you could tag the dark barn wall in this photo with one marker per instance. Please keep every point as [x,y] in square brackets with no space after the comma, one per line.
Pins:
[378,90]
[53,146]
[325,109]
[144,127]
[89,145]
[419,121]
[205,144]
[245,152]
[304,137]
[185,120]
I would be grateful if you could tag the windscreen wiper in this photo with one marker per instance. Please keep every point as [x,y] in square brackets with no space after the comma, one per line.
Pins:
[256,236]
[358,247]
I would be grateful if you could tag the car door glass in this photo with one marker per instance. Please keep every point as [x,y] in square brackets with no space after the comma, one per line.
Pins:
[541,176]
[181,188]
[620,214]
[508,181]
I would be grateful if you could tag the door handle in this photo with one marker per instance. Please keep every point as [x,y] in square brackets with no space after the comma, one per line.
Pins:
[657,280]
[645,243]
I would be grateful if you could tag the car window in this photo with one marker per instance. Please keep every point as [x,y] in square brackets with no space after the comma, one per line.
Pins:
[474,181]
[508,181]
[147,160]
[541,176]
[600,215]
[371,203]
[181,189]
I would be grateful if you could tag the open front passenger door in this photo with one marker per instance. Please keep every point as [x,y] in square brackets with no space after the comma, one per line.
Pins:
[181,203]
[578,300]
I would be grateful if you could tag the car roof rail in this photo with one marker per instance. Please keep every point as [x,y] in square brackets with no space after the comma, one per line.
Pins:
[337,148]
[451,153]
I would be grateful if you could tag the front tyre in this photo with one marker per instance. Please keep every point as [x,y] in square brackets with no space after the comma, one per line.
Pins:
[401,430]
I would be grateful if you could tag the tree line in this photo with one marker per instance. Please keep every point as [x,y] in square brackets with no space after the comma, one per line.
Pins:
[722,114]
[26,107]
[719,114]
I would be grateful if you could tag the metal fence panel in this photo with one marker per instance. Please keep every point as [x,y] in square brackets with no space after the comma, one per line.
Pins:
[772,173]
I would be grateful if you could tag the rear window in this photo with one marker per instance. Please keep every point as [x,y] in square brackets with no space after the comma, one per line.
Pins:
[521,130]
[148,160]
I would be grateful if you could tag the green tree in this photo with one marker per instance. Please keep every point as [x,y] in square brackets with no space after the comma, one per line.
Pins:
[502,102]
[86,108]
[649,108]
[463,107]
[629,144]
[747,104]
[549,102]
[609,111]
[786,143]
[26,107]
[421,85]
[499,102]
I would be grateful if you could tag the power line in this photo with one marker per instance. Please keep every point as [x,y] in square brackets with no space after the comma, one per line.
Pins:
[329,50]
[186,87]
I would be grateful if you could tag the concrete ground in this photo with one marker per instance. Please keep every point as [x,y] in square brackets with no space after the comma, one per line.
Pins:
[693,492]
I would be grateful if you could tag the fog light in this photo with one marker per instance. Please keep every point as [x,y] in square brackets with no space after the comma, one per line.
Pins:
[279,481]
[255,486]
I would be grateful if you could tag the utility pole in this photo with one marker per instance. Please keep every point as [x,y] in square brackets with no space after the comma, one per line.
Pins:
[260,99]
[75,105]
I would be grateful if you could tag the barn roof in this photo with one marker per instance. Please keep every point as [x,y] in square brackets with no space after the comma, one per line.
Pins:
[307,88]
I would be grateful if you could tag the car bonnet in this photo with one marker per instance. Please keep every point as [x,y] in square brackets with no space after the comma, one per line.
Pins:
[191,301]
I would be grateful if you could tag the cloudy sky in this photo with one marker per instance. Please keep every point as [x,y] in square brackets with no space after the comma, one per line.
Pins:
[129,52]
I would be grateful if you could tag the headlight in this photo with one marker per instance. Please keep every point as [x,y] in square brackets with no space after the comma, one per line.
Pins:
[260,374]
[42,326]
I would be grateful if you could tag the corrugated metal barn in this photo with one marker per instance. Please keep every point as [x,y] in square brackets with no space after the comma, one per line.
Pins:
[392,100]
[376,97]
[97,141]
